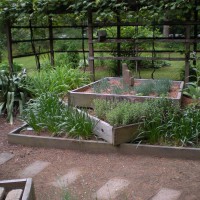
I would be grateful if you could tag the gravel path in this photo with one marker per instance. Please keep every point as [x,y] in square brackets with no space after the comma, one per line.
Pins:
[106,176]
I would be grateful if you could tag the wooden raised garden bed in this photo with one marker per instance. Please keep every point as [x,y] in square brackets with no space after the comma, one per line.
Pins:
[110,134]
[17,189]
[84,96]
[91,146]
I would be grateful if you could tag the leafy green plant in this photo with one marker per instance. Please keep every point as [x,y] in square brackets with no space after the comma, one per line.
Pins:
[193,89]
[59,80]
[13,93]
[166,123]
[71,58]
[47,113]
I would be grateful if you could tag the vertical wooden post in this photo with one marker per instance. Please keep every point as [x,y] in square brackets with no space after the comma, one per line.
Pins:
[51,42]
[9,46]
[187,54]
[195,30]
[90,46]
[118,44]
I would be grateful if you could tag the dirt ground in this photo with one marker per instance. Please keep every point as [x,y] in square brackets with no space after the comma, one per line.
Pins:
[147,175]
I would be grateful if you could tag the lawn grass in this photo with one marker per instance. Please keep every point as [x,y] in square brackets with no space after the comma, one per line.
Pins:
[172,72]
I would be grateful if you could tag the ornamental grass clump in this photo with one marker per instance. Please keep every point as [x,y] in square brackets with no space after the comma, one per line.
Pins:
[166,123]
[59,80]
[48,113]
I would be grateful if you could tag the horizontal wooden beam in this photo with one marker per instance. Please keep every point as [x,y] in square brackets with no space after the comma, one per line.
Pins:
[136,58]
[30,54]
[178,23]
[139,40]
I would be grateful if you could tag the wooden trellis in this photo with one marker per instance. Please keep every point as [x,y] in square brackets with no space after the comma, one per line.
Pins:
[187,39]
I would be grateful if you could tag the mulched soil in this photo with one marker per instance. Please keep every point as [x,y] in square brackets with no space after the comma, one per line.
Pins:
[172,93]
[146,174]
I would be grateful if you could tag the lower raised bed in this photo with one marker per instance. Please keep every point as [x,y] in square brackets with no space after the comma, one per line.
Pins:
[15,137]
[26,185]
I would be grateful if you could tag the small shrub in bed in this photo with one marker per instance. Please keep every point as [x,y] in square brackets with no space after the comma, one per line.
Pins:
[159,86]
[119,113]
[47,113]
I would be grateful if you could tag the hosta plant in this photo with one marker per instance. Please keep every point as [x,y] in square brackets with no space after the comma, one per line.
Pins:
[192,88]
[13,93]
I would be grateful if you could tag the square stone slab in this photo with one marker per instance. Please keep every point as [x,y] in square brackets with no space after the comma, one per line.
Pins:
[14,194]
[67,179]
[167,194]
[4,157]
[111,189]
[2,192]
[33,169]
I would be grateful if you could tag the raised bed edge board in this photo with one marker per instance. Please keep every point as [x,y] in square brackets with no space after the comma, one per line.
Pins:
[114,135]
[80,99]
[25,184]
[103,147]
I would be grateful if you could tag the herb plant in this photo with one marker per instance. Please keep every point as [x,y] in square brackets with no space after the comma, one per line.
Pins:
[119,113]
[47,113]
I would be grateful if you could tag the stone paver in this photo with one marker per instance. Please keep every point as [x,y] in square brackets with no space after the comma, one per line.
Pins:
[33,169]
[4,157]
[2,193]
[14,194]
[167,194]
[67,179]
[111,189]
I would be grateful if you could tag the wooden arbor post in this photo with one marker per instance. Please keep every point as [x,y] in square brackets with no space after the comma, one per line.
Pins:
[90,46]
[9,46]
[118,44]
[51,41]
[187,54]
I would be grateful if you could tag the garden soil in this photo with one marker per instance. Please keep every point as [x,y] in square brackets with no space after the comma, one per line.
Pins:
[143,177]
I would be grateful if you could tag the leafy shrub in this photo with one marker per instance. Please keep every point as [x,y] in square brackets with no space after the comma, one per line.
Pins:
[13,93]
[48,113]
[192,88]
[59,80]
[16,67]
[67,58]
[119,113]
